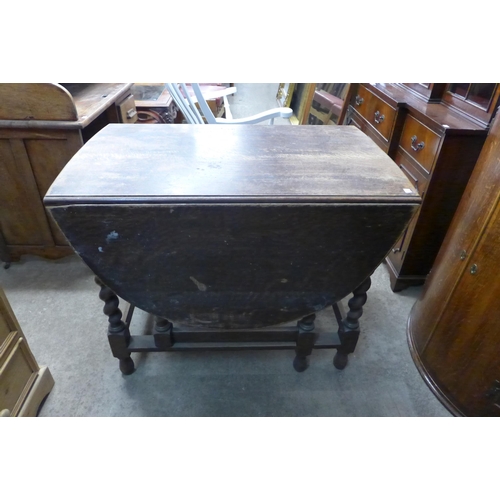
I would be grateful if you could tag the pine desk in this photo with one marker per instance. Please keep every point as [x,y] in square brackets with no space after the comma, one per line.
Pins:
[224,232]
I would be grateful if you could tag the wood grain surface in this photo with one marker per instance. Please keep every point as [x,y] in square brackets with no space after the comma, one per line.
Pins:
[231,227]
[453,328]
[233,265]
[238,163]
[36,101]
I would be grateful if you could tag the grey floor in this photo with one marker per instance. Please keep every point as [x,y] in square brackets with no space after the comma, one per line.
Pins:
[57,305]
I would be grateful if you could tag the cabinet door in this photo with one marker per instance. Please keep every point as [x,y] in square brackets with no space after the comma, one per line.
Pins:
[48,155]
[29,163]
[463,350]
[22,217]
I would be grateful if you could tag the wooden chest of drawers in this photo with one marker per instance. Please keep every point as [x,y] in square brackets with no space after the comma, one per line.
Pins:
[378,118]
[23,384]
[437,149]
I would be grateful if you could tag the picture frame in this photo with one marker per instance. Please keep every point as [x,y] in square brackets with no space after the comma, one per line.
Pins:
[284,94]
[302,97]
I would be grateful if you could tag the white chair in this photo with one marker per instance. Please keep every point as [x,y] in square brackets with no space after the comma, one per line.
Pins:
[186,102]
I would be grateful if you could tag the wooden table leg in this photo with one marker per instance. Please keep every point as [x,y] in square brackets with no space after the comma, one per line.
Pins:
[162,333]
[349,326]
[305,342]
[118,330]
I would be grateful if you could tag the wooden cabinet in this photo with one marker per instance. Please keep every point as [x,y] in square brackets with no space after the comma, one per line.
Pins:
[453,330]
[41,128]
[437,148]
[23,384]
[379,118]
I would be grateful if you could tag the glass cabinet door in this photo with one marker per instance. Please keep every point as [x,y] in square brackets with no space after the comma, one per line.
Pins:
[478,100]
[479,94]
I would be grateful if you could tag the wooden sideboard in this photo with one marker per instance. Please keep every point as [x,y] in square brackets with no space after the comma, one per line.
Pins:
[23,383]
[453,329]
[436,146]
[42,125]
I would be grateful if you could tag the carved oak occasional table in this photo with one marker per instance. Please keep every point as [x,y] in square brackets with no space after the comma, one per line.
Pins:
[225,233]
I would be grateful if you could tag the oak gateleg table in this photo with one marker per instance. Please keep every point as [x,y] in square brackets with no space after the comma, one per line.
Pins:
[225,233]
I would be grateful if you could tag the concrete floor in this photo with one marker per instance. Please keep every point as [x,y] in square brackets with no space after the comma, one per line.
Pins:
[57,305]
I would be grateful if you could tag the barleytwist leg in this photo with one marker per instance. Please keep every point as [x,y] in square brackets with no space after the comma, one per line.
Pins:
[349,326]
[305,342]
[118,332]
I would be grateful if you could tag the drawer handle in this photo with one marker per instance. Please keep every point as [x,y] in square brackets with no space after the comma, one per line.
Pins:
[415,146]
[358,100]
[378,117]
[398,249]
[409,174]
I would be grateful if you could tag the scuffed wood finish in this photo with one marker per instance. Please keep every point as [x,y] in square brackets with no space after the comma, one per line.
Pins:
[93,99]
[231,227]
[53,105]
[231,164]
[453,329]
[36,101]
[232,266]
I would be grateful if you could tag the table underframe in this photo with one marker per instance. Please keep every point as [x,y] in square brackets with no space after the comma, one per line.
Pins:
[303,337]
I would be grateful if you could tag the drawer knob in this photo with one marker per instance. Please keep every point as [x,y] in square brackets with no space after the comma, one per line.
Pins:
[415,146]
[358,100]
[378,117]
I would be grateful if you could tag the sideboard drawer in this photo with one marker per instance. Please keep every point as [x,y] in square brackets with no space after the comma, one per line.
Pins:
[420,142]
[414,175]
[420,183]
[377,113]
[127,111]
[398,252]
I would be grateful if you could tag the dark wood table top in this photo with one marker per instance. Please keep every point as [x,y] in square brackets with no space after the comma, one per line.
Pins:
[230,164]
